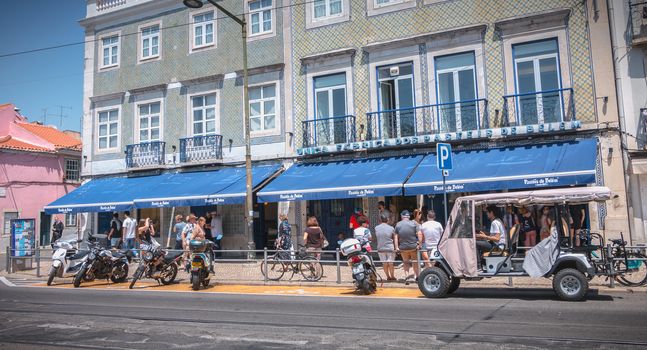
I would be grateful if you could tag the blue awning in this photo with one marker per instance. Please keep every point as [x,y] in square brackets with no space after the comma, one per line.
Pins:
[341,179]
[222,186]
[535,166]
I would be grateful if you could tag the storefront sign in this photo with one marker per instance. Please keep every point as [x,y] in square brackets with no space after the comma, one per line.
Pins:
[447,137]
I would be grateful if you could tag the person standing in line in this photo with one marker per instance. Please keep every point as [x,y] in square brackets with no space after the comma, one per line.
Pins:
[431,232]
[57,229]
[313,237]
[284,238]
[417,216]
[407,241]
[385,234]
[130,228]
[216,232]
[381,210]
[178,228]
[115,234]
[393,215]
[354,217]
[207,226]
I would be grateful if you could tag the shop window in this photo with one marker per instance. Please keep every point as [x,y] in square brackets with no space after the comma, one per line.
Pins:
[72,170]
[70,220]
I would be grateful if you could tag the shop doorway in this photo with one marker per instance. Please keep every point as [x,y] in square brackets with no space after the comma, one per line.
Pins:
[334,216]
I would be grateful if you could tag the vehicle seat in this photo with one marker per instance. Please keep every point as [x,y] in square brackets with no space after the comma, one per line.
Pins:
[170,256]
[505,250]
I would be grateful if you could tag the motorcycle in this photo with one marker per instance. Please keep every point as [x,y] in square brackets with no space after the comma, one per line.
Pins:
[103,263]
[158,264]
[200,263]
[361,263]
[66,260]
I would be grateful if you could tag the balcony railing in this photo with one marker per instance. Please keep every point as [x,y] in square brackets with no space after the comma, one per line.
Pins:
[327,131]
[430,119]
[638,11]
[145,154]
[538,107]
[107,4]
[200,148]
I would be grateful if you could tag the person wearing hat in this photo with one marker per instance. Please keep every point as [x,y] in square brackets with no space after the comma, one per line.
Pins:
[408,239]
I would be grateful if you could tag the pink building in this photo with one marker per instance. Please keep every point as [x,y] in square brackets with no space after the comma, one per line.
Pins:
[38,164]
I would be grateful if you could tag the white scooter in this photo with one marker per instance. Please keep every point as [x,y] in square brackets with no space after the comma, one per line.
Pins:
[66,259]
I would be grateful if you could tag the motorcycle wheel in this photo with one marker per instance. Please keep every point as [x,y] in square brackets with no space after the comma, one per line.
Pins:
[121,275]
[79,277]
[195,281]
[137,275]
[365,287]
[373,282]
[168,274]
[89,276]
[52,274]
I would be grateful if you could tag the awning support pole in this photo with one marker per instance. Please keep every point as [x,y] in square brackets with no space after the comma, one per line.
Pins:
[170,227]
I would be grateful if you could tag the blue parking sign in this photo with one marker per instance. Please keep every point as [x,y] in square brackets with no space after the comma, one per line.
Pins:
[444,156]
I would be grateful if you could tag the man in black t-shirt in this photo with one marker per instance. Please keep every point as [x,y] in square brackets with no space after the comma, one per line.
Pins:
[57,229]
[114,237]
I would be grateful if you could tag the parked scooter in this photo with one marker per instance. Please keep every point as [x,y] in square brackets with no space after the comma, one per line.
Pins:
[66,259]
[103,263]
[200,263]
[158,264]
[361,263]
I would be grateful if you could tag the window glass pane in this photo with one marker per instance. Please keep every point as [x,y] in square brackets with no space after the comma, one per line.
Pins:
[103,117]
[143,135]
[254,93]
[210,114]
[466,85]
[255,108]
[255,5]
[155,121]
[103,142]
[330,80]
[270,122]
[446,87]
[113,141]
[338,102]
[210,100]
[268,107]
[535,49]
[320,8]
[211,127]
[113,129]
[255,124]
[106,54]
[208,39]
[455,61]
[143,123]
[548,74]
[197,115]
[405,93]
[267,21]
[255,28]
[269,91]
[266,3]
[197,128]
[103,130]
[155,134]
[113,115]
[197,101]
[143,109]
[335,7]
[155,108]
[526,77]
[323,109]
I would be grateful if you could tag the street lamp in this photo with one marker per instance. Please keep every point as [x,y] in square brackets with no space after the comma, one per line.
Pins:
[249,206]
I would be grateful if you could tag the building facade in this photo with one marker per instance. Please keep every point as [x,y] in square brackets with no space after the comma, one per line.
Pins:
[342,80]
[37,165]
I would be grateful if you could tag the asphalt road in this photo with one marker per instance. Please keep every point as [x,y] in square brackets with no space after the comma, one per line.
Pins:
[53,318]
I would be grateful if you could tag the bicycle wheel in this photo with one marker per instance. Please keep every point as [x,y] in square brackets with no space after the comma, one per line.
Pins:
[311,269]
[636,274]
[274,268]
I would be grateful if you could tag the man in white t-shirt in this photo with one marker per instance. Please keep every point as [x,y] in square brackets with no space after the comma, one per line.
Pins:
[431,231]
[485,242]
[129,227]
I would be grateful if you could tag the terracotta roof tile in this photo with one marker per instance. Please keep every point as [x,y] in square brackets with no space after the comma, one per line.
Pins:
[13,144]
[58,138]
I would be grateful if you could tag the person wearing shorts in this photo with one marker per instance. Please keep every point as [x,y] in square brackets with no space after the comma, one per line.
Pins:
[385,235]
[407,241]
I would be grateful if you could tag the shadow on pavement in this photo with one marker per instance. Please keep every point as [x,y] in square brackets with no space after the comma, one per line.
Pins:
[528,294]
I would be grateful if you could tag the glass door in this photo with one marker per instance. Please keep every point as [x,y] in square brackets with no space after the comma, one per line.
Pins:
[538,83]
[330,102]
[396,93]
[457,108]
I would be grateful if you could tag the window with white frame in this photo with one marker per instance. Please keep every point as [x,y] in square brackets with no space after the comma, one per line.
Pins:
[150,37]
[8,215]
[378,7]
[203,111]
[70,220]
[260,16]
[108,132]
[262,108]
[386,2]
[110,49]
[331,107]
[458,109]
[72,169]
[327,8]
[149,116]
[203,29]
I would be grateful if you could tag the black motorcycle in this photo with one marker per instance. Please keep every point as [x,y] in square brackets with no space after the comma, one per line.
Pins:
[103,263]
[158,264]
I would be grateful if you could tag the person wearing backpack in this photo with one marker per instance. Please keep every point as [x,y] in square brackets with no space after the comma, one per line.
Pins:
[115,234]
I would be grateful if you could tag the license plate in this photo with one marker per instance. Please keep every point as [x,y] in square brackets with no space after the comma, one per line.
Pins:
[358,269]
[196,264]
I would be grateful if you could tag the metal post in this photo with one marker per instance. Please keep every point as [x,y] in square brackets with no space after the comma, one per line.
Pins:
[444,196]
[249,205]
[37,261]
[8,259]
[265,264]
[338,266]
[510,282]
[418,258]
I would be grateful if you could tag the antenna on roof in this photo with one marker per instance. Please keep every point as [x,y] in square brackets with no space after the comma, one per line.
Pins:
[62,115]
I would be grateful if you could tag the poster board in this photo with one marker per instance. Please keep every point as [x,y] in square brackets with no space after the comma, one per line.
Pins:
[23,237]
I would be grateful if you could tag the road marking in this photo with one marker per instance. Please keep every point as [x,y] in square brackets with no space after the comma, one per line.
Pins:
[7,282]
[62,326]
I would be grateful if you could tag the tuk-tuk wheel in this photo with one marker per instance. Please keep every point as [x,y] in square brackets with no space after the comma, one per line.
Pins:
[454,283]
[570,285]
[434,282]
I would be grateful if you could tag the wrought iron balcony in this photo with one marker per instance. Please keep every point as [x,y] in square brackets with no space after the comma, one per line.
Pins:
[541,107]
[200,148]
[328,131]
[638,12]
[430,119]
[145,154]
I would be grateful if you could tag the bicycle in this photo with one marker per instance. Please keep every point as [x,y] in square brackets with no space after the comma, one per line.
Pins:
[305,263]
[628,268]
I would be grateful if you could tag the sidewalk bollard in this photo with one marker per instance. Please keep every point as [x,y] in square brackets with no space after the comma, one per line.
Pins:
[37,261]
[338,266]
[265,264]
[510,281]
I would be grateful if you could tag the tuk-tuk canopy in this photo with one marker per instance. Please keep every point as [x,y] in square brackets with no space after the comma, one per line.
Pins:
[571,195]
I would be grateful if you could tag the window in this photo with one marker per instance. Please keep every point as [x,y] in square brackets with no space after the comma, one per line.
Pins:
[260,16]
[203,25]
[150,37]
[396,99]
[110,48]
[8,215]
[327,8]
[386,2]
[262,108]
[458,109]
[330,102]
[72,169]
[108,129]
[378,7]
[203,111]
[70,220]
[149,122]
[537,82]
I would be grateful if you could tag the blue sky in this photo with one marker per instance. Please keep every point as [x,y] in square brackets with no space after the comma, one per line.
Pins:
[45,79]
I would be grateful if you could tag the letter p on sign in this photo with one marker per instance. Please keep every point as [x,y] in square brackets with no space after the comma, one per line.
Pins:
[444,156]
